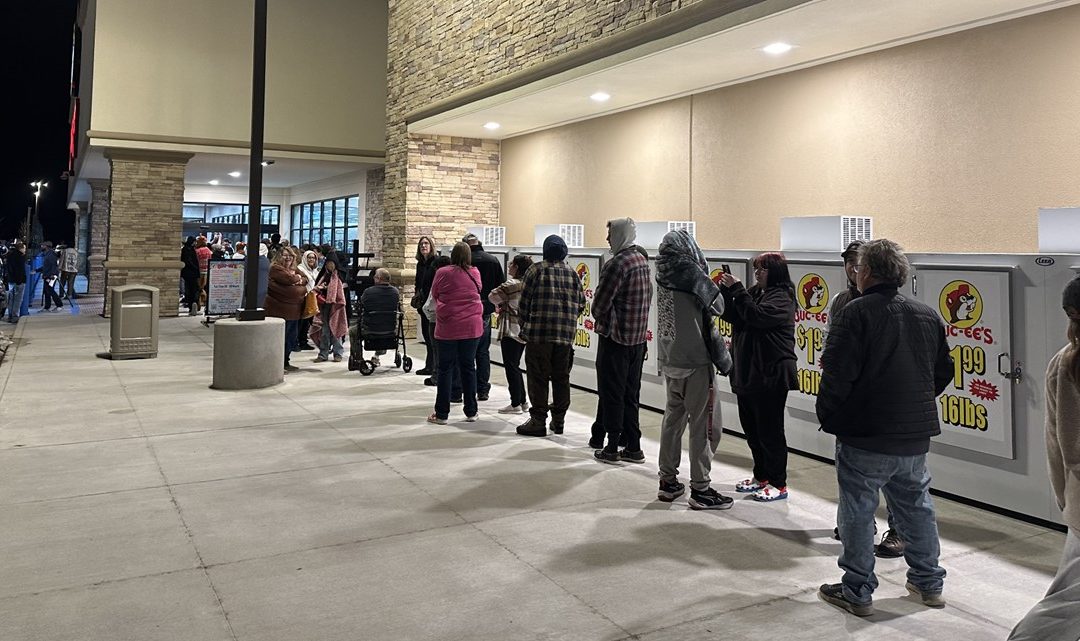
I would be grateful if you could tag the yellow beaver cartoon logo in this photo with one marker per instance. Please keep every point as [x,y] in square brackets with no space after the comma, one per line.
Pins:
[961,304]
[813,293]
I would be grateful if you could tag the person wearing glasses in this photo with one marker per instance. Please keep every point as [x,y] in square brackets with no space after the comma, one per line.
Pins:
[763,349]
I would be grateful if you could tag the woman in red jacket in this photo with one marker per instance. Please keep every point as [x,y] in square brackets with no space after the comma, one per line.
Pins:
[458,328]
[285,293]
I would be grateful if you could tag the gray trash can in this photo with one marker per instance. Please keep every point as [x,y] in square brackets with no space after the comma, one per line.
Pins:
[134,322]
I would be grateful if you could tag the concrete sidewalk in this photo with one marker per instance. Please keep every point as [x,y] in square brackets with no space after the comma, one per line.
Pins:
[136,503]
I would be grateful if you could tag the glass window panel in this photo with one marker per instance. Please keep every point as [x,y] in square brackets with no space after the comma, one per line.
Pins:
[195,211]
[353,208]
[339,213]
[305,216]
[294,218]
[316,215]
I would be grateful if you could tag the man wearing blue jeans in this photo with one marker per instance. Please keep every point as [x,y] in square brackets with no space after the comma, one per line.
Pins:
[886,360]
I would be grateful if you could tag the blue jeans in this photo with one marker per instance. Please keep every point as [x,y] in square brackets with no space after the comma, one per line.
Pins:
[15,301]
[462,355]
[906,484]
[291,327]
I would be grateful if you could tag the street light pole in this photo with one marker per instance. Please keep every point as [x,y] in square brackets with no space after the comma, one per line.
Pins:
[39,186]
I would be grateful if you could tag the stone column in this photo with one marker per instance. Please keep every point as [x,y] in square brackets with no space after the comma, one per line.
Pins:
[99,236]
[145,222]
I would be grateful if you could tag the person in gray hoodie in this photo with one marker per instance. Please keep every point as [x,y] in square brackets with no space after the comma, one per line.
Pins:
[690,351]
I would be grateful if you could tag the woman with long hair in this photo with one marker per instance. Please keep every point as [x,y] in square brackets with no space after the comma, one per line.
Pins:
[425,257]
[331,318]
[506,298]
[190,275]
[309,267]
[285,293]
[1055,617]
[458,328]
[763,350]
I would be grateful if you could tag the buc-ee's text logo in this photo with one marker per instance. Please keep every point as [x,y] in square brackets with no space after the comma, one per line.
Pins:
[961,304]
[813,293]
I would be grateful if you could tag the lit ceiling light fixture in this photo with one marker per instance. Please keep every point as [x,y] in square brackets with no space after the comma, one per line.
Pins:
[234,174]
[267,163]
[777,48]
[491,126]
[600,96]
[215,182]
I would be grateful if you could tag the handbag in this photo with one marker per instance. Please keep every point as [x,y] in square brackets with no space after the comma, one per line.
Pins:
[311,305]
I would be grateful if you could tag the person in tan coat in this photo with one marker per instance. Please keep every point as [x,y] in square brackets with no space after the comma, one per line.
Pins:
[285,294]
[1057,616]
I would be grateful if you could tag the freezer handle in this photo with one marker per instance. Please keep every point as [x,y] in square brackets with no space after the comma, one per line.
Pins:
[1015,374]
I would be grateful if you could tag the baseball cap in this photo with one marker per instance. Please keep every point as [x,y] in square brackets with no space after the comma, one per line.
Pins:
[852,249]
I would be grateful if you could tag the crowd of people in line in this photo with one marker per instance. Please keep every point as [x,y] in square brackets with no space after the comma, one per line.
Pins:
[885,362]
[57,266]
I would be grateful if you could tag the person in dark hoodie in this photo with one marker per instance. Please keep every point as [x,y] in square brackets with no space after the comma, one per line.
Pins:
[621,309]
[15,268]
[189,273]
[551,301]
[687,301]
[491,276]
[50,275]
[763,342]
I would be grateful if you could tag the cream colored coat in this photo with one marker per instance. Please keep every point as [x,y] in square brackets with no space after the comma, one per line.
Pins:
[1063,438]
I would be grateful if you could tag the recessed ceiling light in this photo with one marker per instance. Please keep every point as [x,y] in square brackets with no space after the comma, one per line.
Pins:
[234,174]
[491,126]
[215,182]
[600,96]
[777,48]
[267,163]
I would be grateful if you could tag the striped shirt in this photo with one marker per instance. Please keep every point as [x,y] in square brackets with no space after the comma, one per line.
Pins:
[623,297]
[551,301]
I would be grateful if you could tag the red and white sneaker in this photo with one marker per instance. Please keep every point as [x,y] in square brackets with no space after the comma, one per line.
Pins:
[770,493]
[750,485]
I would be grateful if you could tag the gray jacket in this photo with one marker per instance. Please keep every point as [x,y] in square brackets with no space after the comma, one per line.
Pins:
[687,337]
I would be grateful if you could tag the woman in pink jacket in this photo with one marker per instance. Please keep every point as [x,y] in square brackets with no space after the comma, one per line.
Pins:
[458,328]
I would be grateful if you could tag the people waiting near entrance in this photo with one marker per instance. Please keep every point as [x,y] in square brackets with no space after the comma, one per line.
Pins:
[763,350]
[309,267]
[69,269]
[458,328]
[190,274]
[15,273]
[286,290]
[425,259]
[50,277]
[507,301]
[428,312]
[491,276]
[381,298]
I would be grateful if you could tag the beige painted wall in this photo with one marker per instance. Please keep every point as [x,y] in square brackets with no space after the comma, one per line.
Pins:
[183,69]
[631,164]
[951,145]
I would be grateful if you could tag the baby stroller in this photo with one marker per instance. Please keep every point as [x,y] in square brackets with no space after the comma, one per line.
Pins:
[377,331]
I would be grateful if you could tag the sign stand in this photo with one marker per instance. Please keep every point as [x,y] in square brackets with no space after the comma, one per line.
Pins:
[224,289]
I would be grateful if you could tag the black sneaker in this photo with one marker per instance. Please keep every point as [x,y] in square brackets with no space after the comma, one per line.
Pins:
[482,396]
[596,443]
[627,456]
[424,372]
[929,599]
[709,499]
[833,594]
[291,368]
[532,428]
[604,456]
[430,382]
[670,491]
[891,546]
[557,428]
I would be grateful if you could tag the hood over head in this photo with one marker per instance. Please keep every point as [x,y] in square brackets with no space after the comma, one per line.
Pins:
[622,232]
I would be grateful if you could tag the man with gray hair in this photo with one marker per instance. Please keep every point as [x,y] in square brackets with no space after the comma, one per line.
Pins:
[885,362]
[381,297]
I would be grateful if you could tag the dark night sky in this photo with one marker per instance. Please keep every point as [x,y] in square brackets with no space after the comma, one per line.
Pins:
[36,63]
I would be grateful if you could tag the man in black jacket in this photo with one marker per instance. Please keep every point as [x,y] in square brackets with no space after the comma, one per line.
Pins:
[15,268]
[491,276]
[885,362]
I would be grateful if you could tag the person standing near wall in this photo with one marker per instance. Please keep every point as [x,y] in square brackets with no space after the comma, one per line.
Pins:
[689,346]
[507,301]
[189,273]
[551,301]
[50,275]
[69,269]
[459,311]
[15,268]
[763,344]
[309,267]
[887,359]
[491,276]
[203,252]
[425,257]
[621,309]
[285,295]
[1057,616]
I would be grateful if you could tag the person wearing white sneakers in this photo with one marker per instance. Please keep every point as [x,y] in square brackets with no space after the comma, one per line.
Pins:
[506,298]
[763,349]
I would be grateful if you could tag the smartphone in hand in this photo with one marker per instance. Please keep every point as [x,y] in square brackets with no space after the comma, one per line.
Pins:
[725,268]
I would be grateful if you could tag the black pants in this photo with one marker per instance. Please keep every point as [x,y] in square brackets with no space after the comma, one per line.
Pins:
[549,363]
[302,330]
[618,379]
[511,353]
[191,290]
[430,363]
[762,418]
[50,294]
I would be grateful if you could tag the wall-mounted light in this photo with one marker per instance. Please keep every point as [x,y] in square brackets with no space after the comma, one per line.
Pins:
[600,96]
[234,174]
[777,48]
[491,126]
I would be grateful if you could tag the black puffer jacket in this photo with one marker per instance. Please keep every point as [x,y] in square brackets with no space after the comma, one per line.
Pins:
[885,362]
[491,275]
[763,345]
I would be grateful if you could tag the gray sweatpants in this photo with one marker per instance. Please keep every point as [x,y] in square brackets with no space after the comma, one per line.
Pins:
[689,400]
[1057,616]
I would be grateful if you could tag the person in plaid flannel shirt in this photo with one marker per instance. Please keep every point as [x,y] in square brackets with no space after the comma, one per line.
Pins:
[621,310]
[551,301]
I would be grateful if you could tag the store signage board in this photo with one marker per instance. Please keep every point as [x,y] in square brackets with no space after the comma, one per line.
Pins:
[976,409]
[225,287]
[816,284]
[586,341]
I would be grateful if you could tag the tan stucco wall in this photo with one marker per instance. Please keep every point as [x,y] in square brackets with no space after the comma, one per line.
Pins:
[951,144]
[183,69]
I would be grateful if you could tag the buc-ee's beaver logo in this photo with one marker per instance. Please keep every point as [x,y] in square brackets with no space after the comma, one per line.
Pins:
[583,274]
[961,304]
[716,274]
[813,293]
